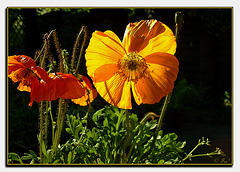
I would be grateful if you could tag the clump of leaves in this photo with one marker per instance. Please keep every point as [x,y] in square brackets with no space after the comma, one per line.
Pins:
[102,143]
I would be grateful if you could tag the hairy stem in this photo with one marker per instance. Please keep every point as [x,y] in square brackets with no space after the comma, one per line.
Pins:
[82,48]
[75,47]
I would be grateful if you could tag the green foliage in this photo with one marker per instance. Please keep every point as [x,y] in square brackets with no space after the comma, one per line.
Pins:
[103,143]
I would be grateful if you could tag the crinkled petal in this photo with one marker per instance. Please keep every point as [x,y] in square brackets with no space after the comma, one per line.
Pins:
[164,42]
[138,34]
[74,87]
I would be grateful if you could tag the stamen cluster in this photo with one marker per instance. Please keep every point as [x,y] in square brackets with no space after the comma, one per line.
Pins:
[132,66]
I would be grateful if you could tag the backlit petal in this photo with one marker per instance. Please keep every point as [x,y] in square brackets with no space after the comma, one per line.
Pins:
[105,72]
[116,91]
[138,34]
[164,42]
[159,79]
[89,95]
[168,64]
[146,91]
[104,48]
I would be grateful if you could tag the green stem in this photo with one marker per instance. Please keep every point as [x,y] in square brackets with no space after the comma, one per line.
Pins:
[126,137]
[116,137]
[53,123]
[46,123]
[146,117]
[178,21]
[85,128]
[58,131]
[160,120]
[40,133]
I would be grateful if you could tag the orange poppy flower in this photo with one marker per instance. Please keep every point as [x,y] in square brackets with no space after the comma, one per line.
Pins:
[143,63]
[51,87]
[23,69]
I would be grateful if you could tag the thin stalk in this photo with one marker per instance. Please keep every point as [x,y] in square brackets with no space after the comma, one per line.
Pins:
[75,47]
[46,123]
[53,123]
[146,117]
[45,43]
[57,133]
[116,137]
[59,50]
[85,117]
[160,120]
[41,133]
[82,47]
[126,137]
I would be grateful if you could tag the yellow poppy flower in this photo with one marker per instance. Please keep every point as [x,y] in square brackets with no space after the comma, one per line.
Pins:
[143,62]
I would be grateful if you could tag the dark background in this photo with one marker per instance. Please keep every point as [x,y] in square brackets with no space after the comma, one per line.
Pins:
[199,106]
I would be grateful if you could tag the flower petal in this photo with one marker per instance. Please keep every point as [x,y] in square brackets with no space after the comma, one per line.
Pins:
[146,91]
[168,64]
[138,34]
[159,79]
[116,91]
[105,72]
[40,72]
[89,95]
[164,42]
[104,48]
[72,88]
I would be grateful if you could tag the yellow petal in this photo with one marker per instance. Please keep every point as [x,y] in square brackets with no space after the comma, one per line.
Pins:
[164,42]
[104,48]
[115,91]
[138,34]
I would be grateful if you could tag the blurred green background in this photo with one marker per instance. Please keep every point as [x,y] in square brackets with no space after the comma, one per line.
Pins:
[201,102]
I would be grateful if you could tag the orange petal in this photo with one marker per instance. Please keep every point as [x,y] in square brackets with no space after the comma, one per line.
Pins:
[105,72]
[116,91]
[138,34]
[167,62]
[24,87]
[89,95]
[74,87]
[40,72]
[146,91]
[104,48]
[26,61]
[159,80]
[36,91]
[164,42]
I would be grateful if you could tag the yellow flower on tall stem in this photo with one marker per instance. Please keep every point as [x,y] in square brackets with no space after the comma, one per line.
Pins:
[143,62]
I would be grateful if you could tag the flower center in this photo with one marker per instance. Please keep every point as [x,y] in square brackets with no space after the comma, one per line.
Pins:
[132,66]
